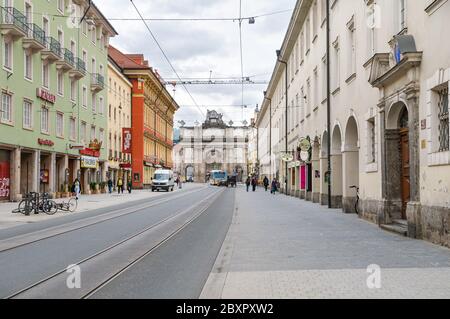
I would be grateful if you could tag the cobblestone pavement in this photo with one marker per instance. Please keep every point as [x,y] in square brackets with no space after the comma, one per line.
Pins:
[283,247]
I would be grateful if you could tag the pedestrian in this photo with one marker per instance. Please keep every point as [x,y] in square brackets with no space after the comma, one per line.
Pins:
[247,183]
[77,188]
[254,183]
[110,185]
[120,185]
[180,182]
[266,183]
[274,188]
[129,186]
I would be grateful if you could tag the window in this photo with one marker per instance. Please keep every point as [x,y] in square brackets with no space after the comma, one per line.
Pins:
[73,90]
[84,27]
[371,141]
[6,110]
[59,124]
[84,97]
[316,89]
[308,35]
[8,54]
[109,111]
[44,120]
[324,9]
[308,97]
[92,132]
[336,66]
[324,78]
[60,83]
[94,102]
[61,5]
[45,74]
[351,47]
[72,128]
[93,34]
[443,120]
[83,132]
[315,23]
[101,106]
[45,26]
[101,136]
[28,66]
[27,115]
[61,38]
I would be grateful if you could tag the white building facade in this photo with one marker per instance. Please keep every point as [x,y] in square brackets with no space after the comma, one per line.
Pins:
[390,71]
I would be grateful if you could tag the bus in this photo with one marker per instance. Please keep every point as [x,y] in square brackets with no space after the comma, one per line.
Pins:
[218,178]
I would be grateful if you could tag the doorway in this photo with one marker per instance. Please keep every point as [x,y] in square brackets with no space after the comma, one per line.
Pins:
[405,164]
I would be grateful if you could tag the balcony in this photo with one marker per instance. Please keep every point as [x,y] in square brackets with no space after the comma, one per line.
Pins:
[35,38]
[97,82]
[79,69]
[66,62]
[13,23]
[52,50]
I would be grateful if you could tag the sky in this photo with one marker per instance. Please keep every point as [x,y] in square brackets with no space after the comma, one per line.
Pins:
[195,48]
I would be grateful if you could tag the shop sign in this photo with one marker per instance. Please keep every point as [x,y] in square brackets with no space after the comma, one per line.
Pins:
[126,140]
[45,142]
[125,165]
[44,176]
[90,152]
[304,144]
[46,96]
[89,162]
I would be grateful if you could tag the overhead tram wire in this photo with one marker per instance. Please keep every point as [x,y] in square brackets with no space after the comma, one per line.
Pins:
[166,57]
[241,52]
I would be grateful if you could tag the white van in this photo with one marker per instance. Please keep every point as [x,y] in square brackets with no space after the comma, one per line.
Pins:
[163,179]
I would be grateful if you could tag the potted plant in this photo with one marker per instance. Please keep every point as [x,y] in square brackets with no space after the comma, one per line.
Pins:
[93,187]
[102,187]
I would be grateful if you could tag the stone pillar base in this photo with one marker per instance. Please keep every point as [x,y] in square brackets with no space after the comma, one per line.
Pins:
[414,218]
[431,223]
[316,197]
[308,196]
[302,194]
[348,205]
[324,199]
[336,201]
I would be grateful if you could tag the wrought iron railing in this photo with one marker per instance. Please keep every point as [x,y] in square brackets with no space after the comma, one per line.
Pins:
[53,46]
[36,33]
[98,79]
[12,16]
[80,65]
[67,55]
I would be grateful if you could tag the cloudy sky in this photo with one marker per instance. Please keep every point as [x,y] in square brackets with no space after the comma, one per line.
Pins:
[197,47]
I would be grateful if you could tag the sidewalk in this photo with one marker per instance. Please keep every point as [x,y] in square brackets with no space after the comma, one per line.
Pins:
[283,247]
[85,203]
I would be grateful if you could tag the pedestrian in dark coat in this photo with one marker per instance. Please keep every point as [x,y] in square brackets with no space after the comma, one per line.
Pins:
[266,183]
[247,183]
[274,188]
[254,184]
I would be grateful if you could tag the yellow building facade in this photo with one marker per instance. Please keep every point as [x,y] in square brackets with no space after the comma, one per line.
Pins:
[119,117]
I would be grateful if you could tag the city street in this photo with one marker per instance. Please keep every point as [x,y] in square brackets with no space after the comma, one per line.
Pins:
[267,246]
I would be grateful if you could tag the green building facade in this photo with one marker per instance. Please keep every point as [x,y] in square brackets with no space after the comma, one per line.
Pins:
[53,108]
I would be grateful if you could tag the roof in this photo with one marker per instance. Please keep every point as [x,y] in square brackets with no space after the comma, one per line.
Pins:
[127,61]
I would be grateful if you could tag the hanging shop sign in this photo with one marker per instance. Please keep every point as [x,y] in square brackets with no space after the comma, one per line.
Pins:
[89,162]
[90,152]
[304,144]
[126,140]
[44,176]
[286,157]
[45,95]
[45,142]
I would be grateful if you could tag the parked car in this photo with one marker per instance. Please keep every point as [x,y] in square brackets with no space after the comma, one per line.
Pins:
[163,180]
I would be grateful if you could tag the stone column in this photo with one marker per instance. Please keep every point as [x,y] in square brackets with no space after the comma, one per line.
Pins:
[323,185]
[52,187]
[35,171]
[336,180]
[14,181]
[350,160]
[315,166]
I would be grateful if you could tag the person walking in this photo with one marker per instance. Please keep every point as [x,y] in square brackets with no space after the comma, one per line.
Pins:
[120,185]
[180,182]
[254,183]
[274,188]
[77,188]
[129,186]
[110,185]
[247,183]
[266,183]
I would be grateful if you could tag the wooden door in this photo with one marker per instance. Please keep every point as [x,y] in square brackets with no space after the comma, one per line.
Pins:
[405,170]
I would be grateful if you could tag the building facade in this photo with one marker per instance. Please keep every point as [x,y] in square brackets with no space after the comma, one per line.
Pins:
[213,145]
[119,124]
[153,109]
[389,112]
[53,117]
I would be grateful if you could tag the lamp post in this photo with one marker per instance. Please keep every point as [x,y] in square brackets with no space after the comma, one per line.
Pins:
[286,124]
[270,132]
[328,103]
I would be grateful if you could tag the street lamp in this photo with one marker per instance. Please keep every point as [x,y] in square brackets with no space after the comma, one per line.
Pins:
[286,124]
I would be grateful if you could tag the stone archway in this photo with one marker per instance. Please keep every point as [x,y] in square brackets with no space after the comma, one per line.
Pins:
[397,138]
[350,160]
[336,168]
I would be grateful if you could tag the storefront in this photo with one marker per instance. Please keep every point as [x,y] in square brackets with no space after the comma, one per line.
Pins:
[4,175]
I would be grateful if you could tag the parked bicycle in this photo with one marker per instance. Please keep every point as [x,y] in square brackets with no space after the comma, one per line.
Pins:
[35,202]
[357,198]
[69,206]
